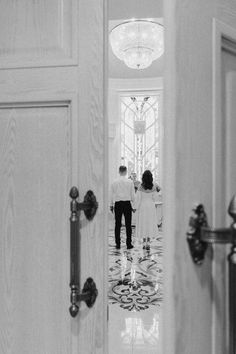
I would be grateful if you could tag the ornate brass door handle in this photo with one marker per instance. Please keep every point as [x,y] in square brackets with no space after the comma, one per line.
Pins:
[89,292]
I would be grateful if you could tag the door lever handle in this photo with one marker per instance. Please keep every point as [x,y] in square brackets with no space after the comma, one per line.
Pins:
[89,292]
[199,234]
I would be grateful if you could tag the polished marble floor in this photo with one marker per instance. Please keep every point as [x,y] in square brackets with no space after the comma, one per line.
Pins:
[135,297]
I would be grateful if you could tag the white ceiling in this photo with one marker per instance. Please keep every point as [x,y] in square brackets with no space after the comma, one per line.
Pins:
[127,9]
[134,8]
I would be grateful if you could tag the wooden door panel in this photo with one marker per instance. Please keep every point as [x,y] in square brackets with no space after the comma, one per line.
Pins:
[41,33]
[193,171]
[53,137]
[35,159]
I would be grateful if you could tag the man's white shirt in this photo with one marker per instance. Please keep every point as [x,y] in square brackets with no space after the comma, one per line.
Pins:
[122,189]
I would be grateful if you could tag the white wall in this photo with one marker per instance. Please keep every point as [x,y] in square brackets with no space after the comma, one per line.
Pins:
[135,8]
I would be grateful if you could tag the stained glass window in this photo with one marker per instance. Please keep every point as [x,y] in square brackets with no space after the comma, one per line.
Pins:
[140,133]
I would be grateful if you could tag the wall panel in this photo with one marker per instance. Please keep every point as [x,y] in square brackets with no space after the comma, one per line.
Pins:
[35,165]
[42,33]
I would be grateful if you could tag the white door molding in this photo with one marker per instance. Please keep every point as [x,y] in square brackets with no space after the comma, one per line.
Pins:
[224,38]
[221,31]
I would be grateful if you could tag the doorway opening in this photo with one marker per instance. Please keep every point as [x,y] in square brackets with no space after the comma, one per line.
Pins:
[135,132]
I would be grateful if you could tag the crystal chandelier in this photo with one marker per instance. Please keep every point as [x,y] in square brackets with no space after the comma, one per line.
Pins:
[137,42]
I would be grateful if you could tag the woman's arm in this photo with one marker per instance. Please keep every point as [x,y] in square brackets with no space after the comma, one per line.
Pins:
[155,196]
[137,200]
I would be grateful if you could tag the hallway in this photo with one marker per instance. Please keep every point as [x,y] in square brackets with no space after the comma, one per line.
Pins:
[135,297]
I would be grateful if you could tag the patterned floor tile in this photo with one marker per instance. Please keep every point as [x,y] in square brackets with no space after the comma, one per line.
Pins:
[135,276]
[135,296]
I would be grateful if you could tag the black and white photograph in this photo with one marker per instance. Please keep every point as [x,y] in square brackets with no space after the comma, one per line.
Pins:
[117,177]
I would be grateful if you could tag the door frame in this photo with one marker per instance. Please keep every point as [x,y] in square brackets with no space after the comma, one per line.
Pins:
[221,31]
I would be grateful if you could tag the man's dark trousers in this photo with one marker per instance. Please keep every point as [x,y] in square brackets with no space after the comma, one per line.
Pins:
[123,207]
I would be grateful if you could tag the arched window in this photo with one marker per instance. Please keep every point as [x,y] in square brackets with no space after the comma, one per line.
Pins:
[140,133]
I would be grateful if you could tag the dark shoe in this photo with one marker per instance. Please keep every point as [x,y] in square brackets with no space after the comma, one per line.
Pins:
[148,244]
[144,243]
[129,247]
[117,247]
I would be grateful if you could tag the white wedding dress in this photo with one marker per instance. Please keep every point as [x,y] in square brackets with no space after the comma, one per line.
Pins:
[146,216]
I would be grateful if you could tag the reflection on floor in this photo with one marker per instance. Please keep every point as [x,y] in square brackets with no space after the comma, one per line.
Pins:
[135,297]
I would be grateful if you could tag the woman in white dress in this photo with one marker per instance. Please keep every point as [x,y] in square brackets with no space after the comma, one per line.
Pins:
[146,219]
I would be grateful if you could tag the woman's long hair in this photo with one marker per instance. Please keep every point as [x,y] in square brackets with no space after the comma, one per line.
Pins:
[147,180]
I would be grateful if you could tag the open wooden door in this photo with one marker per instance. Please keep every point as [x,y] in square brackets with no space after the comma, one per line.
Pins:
[196,158]
[52,136]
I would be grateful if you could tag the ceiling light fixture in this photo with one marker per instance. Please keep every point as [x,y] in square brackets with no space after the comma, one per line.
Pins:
[137,42]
